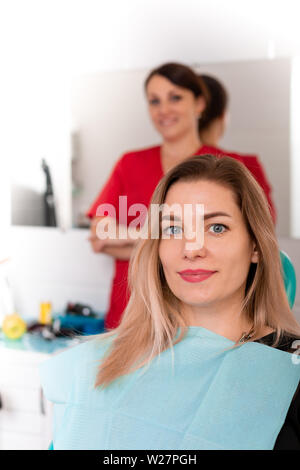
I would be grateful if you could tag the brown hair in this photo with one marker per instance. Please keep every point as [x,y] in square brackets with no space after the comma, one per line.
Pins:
[182,76]
[217,104]
[152,318]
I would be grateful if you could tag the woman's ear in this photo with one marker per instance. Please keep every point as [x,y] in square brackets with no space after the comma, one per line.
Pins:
[200,105]
[254,256]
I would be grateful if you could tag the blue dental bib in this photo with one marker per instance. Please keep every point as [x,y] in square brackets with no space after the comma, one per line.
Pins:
[206,396]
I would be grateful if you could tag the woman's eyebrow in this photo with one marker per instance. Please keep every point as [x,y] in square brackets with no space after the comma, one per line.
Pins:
[215,214]
[206,216]
[151,94]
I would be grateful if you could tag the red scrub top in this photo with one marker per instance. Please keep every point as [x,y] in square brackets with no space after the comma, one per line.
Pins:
[136,175]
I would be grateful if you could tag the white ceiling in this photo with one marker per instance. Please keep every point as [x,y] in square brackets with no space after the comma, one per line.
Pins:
[90,35]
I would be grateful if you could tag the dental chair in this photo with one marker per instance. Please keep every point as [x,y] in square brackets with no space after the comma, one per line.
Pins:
[289,276]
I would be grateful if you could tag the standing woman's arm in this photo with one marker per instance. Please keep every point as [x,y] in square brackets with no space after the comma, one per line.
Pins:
[113,188]
[118,248]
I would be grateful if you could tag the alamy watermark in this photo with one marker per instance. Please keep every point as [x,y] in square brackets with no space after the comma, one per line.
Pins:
[155,222]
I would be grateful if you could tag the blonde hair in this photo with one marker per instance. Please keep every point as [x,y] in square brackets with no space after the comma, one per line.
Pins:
[152,318]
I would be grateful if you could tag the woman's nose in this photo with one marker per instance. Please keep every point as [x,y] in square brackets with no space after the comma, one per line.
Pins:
[164,107]
[194,249]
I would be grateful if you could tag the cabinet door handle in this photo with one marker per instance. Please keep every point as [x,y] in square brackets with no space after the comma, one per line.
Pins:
[1,403]
[42,405]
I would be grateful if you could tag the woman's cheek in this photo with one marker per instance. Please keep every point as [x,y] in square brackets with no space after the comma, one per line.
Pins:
[164,251]
[168,253]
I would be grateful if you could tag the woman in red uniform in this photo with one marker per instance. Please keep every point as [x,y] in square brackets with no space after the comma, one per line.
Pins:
[176,99]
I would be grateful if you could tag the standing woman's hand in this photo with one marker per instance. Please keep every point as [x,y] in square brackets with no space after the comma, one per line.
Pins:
[96,243]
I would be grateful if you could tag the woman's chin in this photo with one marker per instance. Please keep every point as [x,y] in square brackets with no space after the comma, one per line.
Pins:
[169,134]
[197,301]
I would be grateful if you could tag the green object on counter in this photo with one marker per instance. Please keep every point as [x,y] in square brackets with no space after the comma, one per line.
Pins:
[289,275]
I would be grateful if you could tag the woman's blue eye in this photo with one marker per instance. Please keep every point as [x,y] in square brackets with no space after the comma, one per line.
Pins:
[173,230]
[218,228]
[176,98]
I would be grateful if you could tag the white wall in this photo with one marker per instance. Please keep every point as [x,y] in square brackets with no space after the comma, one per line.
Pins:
[92,35]
[295,149]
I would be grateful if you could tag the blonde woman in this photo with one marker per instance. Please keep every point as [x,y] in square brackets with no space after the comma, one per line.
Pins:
[204,357]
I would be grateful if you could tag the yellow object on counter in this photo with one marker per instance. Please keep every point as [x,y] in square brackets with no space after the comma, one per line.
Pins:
[13,326]
[45,317]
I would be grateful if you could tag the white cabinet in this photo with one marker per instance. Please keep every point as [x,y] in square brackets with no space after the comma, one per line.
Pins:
[25,414]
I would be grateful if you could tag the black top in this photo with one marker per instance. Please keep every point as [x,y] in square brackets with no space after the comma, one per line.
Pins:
[289,435]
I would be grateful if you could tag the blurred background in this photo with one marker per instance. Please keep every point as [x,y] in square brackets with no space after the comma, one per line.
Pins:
[72,102]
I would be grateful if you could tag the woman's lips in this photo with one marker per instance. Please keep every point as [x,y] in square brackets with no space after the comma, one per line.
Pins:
[167,122]
[195,275]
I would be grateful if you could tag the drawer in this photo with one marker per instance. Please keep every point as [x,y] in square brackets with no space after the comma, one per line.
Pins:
[16,375]
[20,368]
[19,441]
[22,422]
[22,399]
